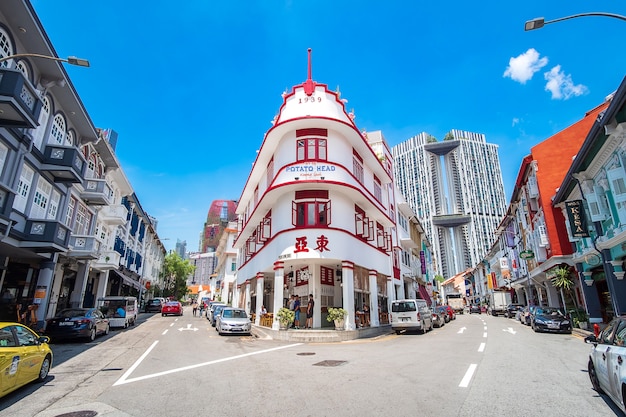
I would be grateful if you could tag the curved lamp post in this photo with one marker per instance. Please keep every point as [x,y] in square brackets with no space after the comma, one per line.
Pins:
[539,22]
[70,60]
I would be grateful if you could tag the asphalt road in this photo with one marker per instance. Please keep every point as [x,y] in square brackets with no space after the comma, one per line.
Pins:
[477,365]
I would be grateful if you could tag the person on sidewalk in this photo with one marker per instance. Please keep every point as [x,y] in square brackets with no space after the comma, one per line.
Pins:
[309,313]
[194,307]
[296,309]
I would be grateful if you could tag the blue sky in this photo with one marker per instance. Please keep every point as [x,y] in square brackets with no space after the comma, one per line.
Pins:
[192,86]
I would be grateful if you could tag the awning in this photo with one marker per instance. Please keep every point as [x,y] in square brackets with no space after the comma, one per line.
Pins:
[128,280]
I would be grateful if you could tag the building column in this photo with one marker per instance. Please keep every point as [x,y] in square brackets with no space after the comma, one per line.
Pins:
[43,290]
[260,288]
[554,296]
[347,273]
[103,280]
[617,287]
[279,279]
[590,293]
[374,317]
[247,302]
[78,293]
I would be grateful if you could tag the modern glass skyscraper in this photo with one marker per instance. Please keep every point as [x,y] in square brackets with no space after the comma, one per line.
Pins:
[455,186]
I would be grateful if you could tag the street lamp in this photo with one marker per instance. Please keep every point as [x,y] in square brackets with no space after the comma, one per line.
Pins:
[539,22]
[70,59]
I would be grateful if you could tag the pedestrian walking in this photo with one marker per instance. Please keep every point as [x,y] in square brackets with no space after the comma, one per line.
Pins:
[309,313]
[194,307]
[296,309]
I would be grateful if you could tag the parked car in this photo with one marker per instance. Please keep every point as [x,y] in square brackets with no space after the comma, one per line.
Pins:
[233,320]
[77,323]
[524,317]
[441,310]
[154,305]
[474,308]
[605,371]
[439,317]
[216,312]
[172,308]
[512,309]
[24,357]
[449,312]
[209,312]
[411,314]
[550,319]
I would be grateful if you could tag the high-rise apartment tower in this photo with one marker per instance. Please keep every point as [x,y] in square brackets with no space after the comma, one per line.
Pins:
[455,187]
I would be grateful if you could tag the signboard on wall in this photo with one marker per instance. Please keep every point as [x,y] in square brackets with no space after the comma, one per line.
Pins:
[577,219]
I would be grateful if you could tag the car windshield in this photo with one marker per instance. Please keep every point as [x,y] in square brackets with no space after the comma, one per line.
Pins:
[155,302]
[549,311]
[403,306]
[74,312]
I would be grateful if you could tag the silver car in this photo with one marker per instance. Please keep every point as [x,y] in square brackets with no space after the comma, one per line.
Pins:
[233,320]
[606,372]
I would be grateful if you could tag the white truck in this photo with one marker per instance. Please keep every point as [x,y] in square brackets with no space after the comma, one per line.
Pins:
[456,302]
[498,302]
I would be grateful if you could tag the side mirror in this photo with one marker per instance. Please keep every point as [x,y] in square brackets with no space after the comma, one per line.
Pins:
[43,339]
[591,339]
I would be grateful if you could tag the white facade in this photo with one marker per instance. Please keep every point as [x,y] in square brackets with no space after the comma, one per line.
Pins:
[316,214]
[455,187]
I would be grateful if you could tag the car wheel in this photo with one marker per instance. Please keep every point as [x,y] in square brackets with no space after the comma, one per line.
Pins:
[594,377]
[535,328]
[107,329]
[162,314]
[92,334]
[398,331]
[45,368]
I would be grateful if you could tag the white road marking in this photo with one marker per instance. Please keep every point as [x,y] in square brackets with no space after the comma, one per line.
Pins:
[164,331]
[462,329]
[485,328]
[124,379]
[485,334]
[135,365]
[171,324]
[468,376]
[481,347]
[195,329]
[509,330]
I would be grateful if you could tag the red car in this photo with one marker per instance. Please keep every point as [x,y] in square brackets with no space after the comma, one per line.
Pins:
[172,307]
[449,311]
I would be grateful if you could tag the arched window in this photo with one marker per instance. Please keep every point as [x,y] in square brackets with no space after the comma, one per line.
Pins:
[5,48]
[91,167]
[44,115]
[69,138]
[57,134]
[21,67]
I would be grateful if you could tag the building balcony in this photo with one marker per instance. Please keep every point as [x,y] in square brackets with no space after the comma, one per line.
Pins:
[109,259]
[84,247]
[96,192]
[19,101]
[65,163]
[115,214]
[46,236]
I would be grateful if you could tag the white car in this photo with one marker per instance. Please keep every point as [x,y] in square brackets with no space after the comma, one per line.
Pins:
[606,369]
[233,320]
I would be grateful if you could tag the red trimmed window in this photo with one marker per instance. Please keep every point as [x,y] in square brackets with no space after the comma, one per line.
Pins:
[377,189]
[357,166]
[383,239]
[264,229]
[311,149]
[311,208]
[364,227]
[327,275]
[270,172]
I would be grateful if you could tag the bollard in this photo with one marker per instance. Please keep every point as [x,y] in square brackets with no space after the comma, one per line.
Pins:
[596,329]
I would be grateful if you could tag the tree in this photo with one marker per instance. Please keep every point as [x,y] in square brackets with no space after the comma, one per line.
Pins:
[562,280]
[175,273]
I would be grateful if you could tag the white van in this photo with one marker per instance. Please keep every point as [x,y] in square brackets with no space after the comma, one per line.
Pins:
[121,311]
[410,315]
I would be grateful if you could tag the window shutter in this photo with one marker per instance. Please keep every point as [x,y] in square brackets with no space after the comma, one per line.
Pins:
[617,183]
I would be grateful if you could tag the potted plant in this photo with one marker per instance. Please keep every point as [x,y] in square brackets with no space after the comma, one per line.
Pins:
[338,315]
[285,317]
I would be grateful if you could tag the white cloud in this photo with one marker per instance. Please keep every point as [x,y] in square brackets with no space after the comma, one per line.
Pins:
[522,67]
[515,121]
[561,85]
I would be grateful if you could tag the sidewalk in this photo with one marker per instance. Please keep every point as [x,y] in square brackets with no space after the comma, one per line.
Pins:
[322,335]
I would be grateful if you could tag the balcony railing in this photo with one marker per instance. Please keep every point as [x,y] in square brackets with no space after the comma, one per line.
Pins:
[65,163]
[115,214]
[96,192]
[19,101]
[84,247]
[46,236]
[109,259]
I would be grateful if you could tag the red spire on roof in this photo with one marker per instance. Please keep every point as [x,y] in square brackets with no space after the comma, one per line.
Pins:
[309,84]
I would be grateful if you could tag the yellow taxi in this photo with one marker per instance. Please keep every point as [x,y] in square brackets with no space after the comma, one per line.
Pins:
[24,357]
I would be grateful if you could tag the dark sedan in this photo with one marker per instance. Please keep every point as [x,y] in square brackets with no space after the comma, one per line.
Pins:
[475,309]
[77,323]
[154,306]
[550,319]
[512,309]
